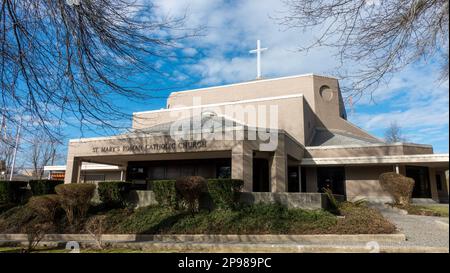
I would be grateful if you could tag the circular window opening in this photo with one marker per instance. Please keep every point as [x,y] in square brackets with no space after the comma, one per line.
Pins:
[326,93]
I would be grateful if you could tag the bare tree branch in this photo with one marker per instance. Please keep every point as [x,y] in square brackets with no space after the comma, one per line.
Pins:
[62,63]
[376,38]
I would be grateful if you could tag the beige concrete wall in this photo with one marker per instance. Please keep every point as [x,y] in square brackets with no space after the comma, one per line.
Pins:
[316,110]
[245,91]
[251,114]
[370,150]
[362,183]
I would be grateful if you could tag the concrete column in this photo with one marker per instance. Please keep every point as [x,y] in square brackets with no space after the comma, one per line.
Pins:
[397,169]
[73,170]
[300,178]
[311,180]
[433,185]
[279,168]
[242,165]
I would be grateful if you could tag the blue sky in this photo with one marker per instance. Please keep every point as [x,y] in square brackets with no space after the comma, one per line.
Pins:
[414,98]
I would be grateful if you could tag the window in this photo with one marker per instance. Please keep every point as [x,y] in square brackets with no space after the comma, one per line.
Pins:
[94,177]
[224,172]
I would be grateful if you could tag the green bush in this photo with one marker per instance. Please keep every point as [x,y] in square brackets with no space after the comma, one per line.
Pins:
[114,193]
[165,193]
[45,206]
[43,187]
[75,199]
[12,191]
[224,192]
[399,186]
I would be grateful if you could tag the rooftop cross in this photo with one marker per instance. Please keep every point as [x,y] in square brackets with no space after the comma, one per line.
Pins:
[258,51]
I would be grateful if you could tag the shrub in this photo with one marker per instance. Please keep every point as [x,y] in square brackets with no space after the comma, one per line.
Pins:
[165,193]
[75,200]
[360,219]
[95,226]
[43,187]
[12,191]
[36,232]
[114,193]
[45,206]
[333,204]
[225,192]
[399,186]
[190,188]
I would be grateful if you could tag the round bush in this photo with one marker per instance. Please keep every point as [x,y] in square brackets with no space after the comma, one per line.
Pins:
[399,186]
[190,189]
[75,199]
[45,205]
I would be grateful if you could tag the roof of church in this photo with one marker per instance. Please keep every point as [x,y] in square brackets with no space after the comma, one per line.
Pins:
[206,121]
[325,137]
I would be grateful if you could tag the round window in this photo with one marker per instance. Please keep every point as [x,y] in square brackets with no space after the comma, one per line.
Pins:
[326,93]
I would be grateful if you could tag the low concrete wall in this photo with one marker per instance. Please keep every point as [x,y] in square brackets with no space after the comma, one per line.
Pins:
[142,198]
[213,238]
[291,200]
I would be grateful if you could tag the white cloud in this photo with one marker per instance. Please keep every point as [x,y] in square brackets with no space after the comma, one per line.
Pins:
[413,98]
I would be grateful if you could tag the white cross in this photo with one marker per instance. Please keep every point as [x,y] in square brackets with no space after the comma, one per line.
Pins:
[258,51]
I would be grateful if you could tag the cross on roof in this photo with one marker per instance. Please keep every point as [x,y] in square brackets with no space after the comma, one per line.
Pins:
[258,51]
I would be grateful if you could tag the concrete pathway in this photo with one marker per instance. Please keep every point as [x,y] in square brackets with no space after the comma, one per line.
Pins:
[420,230]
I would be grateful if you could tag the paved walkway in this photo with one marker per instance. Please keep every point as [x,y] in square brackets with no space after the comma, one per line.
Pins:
[420,230]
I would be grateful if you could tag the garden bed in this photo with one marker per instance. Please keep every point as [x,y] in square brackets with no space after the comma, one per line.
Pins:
[252,219]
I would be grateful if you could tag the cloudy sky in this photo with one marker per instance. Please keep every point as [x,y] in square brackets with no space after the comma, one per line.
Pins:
[414,98]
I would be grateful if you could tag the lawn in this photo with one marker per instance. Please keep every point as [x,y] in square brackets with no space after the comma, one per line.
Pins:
[427,210]
[255,219]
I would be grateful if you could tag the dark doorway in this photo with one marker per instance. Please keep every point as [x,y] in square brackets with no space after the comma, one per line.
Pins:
[261,181]
[422,182]
[303,177]
[293,179]
[331,178]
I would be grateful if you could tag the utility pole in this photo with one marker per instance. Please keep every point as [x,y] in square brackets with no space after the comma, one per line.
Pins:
[16,147]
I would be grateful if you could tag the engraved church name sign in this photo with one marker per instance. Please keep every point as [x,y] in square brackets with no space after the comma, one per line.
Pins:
[143,148]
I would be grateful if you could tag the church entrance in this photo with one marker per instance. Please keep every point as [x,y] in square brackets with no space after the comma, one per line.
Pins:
[331,178]
[422,182]
[261,180]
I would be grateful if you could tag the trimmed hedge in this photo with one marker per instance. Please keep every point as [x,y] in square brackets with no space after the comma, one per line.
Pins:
[399,186]
[165,193]
[44,187]
[224,192]
[114,193]
[12,191]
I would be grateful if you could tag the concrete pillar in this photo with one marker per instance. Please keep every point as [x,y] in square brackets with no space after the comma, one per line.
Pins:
[300,178]
[397,169]
[311,180]
[433,185]
[73,170]
[279,168]
[242,165]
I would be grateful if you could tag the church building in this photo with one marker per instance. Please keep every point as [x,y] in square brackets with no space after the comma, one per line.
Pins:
[286,134]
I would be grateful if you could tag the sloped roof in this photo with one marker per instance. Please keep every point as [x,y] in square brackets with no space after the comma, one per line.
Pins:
[213,122]
[324,137]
